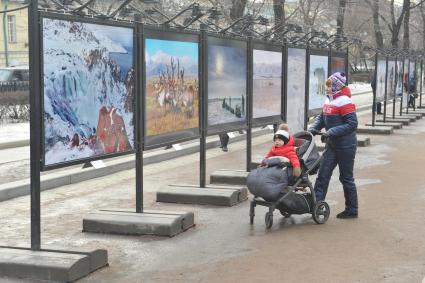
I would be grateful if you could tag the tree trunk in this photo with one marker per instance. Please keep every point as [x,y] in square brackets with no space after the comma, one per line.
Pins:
[238,7]
[340,20]
[406,23]
[279,12]
[423,24]
[376,26]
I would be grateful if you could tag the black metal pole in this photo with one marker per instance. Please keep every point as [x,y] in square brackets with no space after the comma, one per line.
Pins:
[347,67]
[330,55]
[374,106]
[386,89]
[416,90]
[402,93]
[35,120]
[420,84]
[139,125]
[250,86]
[203,112]
[284,80]
[408,87]
[395,85]
[307,86]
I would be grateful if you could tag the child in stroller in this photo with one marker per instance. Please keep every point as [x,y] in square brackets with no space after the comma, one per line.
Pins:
[273,187]
[283,145]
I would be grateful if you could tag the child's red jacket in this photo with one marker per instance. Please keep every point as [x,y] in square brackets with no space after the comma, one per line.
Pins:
[287,150]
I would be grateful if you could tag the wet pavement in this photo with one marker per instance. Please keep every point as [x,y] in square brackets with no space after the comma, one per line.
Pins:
[385,244]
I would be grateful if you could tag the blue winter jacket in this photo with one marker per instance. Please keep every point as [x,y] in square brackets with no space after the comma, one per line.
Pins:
[339,119]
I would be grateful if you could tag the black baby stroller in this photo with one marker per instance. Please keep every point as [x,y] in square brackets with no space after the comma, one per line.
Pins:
[274,187]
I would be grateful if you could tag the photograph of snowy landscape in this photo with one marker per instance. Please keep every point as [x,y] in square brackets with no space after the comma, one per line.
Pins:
[418,76]
[405,83]
[267,81]
[338,64]
[171,86]
[380,80]
[318,75]
[88,90]
[295,88]
[226,84]
[399,88]
[391,80]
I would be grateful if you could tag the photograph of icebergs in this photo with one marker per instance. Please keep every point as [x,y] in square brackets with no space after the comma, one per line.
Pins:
[227,80]
[317,86]
[391,80]
[380,80]
[338,64]
[267,92]
[89,90]
[295,89]
[171,86]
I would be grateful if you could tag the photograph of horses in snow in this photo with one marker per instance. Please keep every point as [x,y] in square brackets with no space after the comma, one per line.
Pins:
[89,90]
[226,84]
[267,91]
[318,75]
[171,86]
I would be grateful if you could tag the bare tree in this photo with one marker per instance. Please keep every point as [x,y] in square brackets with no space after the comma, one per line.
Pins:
[340,18]
[406,31]
[376,25]
[422,11]
[310,10]
[238,8]
[279,12]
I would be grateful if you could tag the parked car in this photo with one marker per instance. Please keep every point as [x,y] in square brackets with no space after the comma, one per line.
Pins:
[14,85]
[14,74]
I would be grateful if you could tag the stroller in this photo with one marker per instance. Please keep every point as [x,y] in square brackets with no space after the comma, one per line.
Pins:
[288,200]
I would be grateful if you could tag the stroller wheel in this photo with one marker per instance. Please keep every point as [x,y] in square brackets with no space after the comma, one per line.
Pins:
[321,212]
[269,220]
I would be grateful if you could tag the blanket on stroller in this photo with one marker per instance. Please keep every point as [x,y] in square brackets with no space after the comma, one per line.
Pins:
[269,181]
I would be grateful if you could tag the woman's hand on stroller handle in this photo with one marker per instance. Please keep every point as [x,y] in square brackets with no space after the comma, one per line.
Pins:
[324,136]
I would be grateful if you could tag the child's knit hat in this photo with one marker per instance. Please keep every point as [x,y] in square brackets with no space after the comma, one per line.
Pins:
[338,81]
[282,135]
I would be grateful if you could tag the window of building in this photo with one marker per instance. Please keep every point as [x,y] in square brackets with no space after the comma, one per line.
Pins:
[11,28]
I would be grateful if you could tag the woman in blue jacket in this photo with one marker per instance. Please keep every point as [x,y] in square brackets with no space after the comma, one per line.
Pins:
[339,119]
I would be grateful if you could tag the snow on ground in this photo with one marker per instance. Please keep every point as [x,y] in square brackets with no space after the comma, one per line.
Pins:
[14,132]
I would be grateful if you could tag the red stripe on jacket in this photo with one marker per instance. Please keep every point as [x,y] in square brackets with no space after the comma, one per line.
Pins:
[287,150]
[335,108]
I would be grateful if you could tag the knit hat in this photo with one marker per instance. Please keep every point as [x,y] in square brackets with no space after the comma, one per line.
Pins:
[282,135]
[338,81]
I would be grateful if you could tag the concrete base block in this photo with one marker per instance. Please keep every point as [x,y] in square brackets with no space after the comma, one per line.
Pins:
[405,121]
[50,265]
[212,195]
[125,222]
[394,125]
[418,112]
[417,116]
[229,177]
[375,130]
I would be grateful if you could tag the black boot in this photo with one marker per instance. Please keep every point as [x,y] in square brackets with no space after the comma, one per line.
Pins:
[347,215]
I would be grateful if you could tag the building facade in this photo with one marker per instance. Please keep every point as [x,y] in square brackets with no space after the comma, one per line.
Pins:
[13,34]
